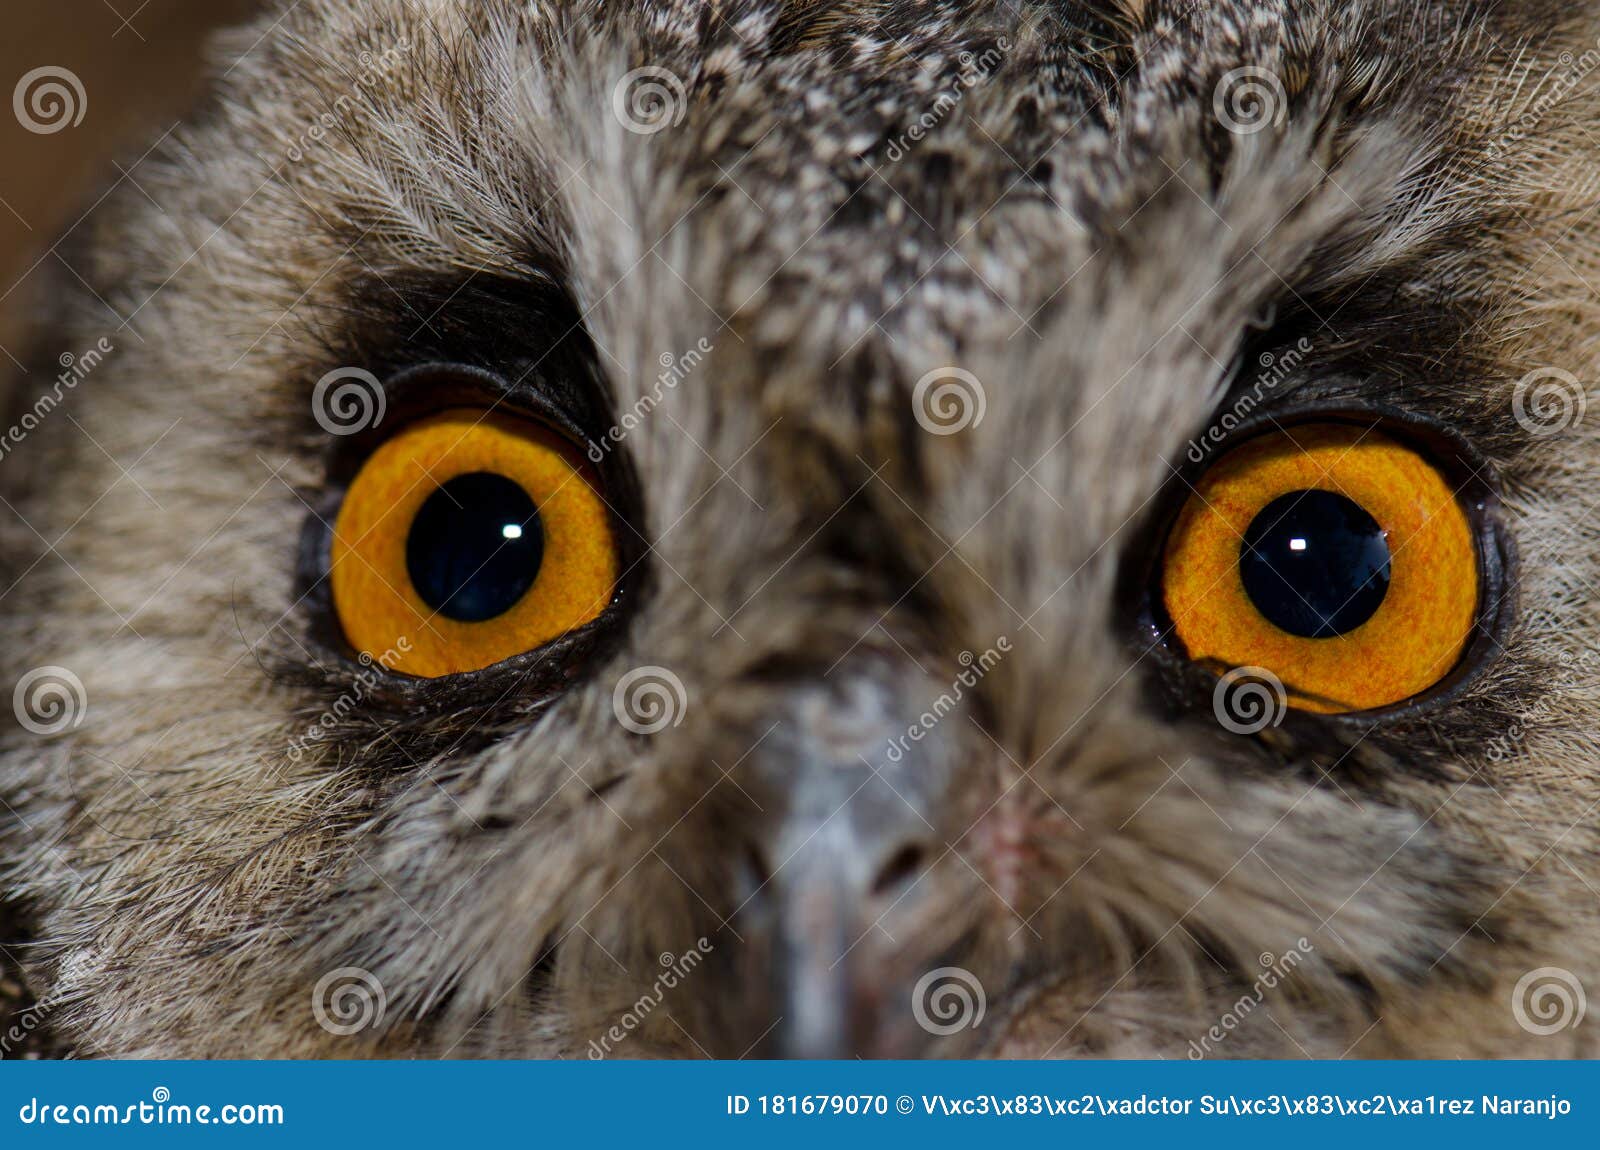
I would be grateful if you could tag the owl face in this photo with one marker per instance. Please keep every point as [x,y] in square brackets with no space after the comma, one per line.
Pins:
[791,530]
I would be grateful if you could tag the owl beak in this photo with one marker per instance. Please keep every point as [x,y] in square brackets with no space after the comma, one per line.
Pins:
[834,903]
[849,880]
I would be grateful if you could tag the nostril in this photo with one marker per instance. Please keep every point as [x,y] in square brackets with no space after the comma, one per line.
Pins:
[901,870]
[757,874]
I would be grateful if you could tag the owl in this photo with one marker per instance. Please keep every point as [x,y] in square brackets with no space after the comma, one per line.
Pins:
[808,528]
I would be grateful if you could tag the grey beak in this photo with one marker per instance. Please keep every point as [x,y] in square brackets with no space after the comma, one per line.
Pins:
[847,860]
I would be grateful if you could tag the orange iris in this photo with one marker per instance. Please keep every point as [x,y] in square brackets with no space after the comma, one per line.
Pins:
[1418,631]
[400,517]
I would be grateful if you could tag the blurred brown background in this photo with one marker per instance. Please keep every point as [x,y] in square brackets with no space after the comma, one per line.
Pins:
[138,67]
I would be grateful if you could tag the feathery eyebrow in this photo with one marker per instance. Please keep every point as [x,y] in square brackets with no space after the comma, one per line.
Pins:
[529,332]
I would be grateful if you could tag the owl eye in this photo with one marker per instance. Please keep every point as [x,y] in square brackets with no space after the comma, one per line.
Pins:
[473,537]
[1333,556]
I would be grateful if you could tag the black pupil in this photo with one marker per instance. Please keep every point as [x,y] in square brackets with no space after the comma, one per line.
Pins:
[475,547]
[1315,564]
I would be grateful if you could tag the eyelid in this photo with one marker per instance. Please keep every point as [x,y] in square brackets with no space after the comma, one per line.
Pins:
[420,390]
